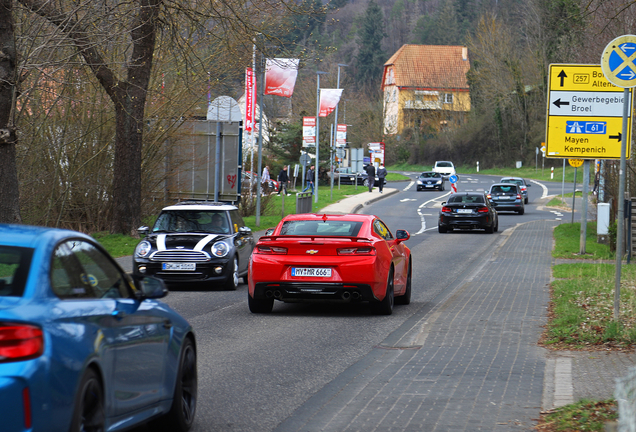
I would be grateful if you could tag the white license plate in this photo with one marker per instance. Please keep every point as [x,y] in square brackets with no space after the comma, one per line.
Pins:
[179,266]
[311,272]
[429,185]
[504,197]
[464,211]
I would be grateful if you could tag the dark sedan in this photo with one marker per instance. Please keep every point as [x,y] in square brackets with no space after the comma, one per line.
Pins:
[430,180]
[468,211]
[507,197]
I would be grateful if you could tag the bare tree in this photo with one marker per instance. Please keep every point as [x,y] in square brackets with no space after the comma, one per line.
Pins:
[9,195]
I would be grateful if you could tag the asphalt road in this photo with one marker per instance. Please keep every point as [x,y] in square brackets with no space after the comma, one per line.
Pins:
[256,370]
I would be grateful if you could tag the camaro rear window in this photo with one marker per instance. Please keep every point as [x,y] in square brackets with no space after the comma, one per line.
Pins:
[319,227]
[14,269]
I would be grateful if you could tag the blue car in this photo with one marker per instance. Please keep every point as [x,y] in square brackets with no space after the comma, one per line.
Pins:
[83,345]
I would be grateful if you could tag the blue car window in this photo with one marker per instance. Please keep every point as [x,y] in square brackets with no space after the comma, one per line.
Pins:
[80,270]
[14,269]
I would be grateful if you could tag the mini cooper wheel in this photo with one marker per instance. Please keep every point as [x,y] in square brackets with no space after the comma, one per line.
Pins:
[88,414]
[260,305]
[232,280]
[385,306]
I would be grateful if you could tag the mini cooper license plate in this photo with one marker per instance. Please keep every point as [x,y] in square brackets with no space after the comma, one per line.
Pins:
[179,266]
[311,272]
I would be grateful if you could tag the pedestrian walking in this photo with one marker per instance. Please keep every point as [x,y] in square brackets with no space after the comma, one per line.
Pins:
[381,175]
[265,179]
[283,178]
[309,179]
[370,169]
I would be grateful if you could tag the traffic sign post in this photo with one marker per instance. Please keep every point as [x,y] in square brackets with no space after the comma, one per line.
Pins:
[618,63]
[584,113]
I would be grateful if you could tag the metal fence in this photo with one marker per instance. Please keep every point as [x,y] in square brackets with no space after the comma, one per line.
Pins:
[303,202]
[625,394]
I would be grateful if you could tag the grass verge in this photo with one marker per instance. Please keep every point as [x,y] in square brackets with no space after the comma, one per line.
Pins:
[567,243]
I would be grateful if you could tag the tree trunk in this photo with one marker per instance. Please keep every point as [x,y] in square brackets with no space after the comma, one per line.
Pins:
[9,193]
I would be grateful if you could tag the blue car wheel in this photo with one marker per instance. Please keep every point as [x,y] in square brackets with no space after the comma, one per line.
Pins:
[89,407]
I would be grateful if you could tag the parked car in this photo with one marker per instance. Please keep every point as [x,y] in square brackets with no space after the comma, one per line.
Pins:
[196,243]
[468,211]
[83,345]
[506,197]
[445,168]
[430,180]
[522,184]
[340,258]
[344,175]
[363,179]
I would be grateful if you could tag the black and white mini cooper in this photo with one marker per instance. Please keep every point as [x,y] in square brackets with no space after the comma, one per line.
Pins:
[198,242]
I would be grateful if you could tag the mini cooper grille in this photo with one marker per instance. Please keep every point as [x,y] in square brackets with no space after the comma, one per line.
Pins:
[180,255]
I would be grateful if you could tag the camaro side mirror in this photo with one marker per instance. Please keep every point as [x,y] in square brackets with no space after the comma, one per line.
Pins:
[402,235]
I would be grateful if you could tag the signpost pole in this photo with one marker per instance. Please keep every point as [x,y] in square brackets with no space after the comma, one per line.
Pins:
[573,194]
[621,208]
[586,187]
[563,184]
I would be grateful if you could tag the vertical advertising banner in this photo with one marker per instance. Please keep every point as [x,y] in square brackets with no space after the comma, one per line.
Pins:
[309,131]
[249,99]
[329,98]
[280,76]
[341,135]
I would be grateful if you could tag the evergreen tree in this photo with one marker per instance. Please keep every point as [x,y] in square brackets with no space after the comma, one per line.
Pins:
[370,59]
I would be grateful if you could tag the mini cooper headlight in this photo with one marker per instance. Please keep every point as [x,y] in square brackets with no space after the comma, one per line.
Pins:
[143,249]
[220,249]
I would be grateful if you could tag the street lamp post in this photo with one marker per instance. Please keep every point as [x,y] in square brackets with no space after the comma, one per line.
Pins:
[318,73]
[335,131]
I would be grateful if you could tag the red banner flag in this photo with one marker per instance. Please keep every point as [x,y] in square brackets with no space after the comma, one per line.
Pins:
[250,92]
[280,76]
[329,98]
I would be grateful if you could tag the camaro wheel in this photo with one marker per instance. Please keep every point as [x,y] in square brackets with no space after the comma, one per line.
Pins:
[406,297]
[233,279]
[88,414]
[260,305]
[184,402]
[385,307]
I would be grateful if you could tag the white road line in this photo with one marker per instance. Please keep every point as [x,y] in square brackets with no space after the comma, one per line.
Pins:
[407,199]
[409,186]
[419,212]
[545,189]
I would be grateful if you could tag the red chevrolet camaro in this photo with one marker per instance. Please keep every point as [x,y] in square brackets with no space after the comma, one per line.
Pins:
[345,258]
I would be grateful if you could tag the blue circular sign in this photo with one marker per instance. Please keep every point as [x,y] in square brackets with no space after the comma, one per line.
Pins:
[452,179]
[618,61]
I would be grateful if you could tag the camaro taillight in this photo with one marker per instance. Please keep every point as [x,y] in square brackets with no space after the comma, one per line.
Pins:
[482,210]
[20,342]
[272,250]
[446,209]
[357,251]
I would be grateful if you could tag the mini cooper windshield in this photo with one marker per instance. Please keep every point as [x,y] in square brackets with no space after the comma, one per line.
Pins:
[188,221]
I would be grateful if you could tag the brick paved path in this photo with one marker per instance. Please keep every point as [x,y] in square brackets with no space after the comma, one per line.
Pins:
[467,361]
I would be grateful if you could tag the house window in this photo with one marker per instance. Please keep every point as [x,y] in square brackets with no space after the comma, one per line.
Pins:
[448,98]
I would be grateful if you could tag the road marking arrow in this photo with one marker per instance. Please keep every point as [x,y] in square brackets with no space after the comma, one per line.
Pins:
[558,103]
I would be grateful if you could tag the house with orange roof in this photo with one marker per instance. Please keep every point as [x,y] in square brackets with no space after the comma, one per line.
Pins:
[425,87]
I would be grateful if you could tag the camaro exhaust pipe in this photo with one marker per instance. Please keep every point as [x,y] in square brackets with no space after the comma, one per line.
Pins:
[346,295]
[278,295]
[355,295]
[269,293]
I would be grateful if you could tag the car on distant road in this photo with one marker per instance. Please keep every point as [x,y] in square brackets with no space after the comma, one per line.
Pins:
[337,258]
[345,175]
[468,211]
[430,180]
[522,185]
[83,345]
[445,168]
[507,197]
[196,242]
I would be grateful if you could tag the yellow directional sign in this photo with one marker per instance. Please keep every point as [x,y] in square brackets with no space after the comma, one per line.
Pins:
[584,114]
[575,163]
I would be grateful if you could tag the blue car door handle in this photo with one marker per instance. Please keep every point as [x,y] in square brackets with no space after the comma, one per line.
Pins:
[119,314]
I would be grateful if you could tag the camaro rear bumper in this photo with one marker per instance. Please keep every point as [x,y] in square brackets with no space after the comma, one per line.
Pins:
[313,291]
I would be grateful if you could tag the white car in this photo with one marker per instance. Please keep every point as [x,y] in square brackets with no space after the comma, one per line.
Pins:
[445,168]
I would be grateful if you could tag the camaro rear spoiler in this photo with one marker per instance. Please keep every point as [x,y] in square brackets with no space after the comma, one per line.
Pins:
[313,237]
